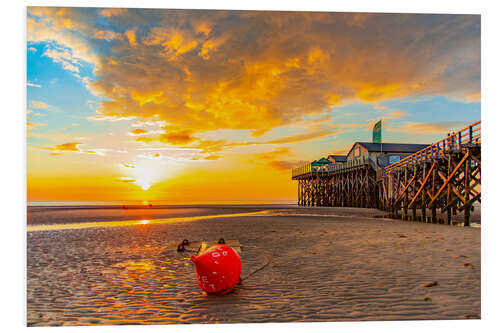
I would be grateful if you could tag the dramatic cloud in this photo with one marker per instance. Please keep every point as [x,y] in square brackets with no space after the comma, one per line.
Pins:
[63,26]
[189,72]
[209,70]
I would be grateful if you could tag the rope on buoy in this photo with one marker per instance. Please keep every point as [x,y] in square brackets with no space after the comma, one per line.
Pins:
[268,260]
[181,247]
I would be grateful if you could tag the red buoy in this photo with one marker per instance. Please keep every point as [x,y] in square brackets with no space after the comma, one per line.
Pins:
[218,269]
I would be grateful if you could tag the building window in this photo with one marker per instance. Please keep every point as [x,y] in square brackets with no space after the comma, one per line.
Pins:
[394,158]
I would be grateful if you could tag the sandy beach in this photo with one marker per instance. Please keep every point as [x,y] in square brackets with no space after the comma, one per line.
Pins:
[327,264]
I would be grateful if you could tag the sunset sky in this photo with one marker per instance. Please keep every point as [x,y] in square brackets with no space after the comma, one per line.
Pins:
[187,106]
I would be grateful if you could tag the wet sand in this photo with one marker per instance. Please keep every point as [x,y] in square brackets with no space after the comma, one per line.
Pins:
[327,264]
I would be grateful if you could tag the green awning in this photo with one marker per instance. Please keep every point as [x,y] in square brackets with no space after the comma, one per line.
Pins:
[321,161]
[324,160]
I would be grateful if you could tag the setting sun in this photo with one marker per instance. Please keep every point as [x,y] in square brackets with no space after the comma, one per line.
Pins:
[144,184]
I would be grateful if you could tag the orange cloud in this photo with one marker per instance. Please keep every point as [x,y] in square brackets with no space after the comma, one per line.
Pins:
[285,165]
[32,125]
[371,92]
[109,12]
[138,131]
[270,80]
[130,34]
[175,137]
[278,159]
[428,128]
[212,157]
[38,105]
[273,154]
[108,35]
[143,98]
[68,147]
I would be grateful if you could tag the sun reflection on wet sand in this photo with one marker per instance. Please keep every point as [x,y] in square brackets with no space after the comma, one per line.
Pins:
[135,265]
[47,227]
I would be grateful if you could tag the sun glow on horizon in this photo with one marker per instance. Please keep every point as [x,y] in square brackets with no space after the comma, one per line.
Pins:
[148,172]
[143,183]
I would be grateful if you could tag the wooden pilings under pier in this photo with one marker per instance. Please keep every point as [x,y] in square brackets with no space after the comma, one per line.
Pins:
[350,186]
[448,184]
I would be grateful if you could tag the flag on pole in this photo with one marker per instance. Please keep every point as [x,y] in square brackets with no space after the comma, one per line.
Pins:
[377,132]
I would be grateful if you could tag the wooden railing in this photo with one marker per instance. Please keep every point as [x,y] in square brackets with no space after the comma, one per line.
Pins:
[469,135]
[301,170]
[333,167]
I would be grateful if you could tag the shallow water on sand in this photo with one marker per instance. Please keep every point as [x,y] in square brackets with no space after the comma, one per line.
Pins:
[110,224]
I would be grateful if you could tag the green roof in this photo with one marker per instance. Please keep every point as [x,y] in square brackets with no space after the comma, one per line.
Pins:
[321,161]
